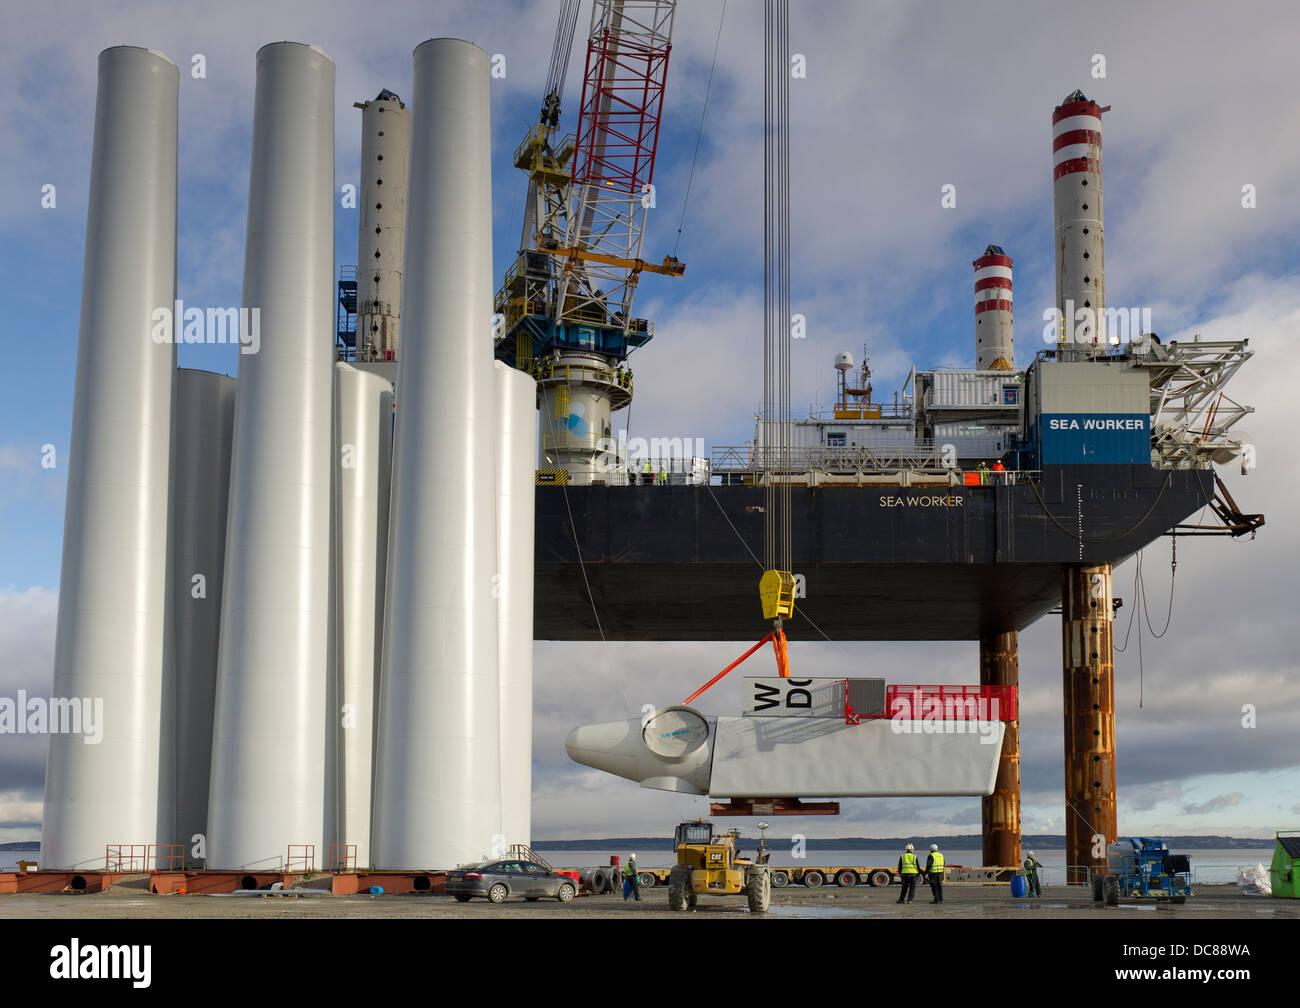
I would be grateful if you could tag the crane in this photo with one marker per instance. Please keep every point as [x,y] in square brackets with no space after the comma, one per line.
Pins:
[564,310]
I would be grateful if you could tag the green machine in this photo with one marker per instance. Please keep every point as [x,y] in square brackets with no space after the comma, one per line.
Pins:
[1284,872]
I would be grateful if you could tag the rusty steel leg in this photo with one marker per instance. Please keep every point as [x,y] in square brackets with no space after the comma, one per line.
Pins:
[1088,662]
[1000,812]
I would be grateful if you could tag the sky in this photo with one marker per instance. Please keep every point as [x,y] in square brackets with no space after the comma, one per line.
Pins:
[898,101]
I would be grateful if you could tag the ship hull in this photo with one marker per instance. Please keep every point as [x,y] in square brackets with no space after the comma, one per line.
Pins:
[875,562]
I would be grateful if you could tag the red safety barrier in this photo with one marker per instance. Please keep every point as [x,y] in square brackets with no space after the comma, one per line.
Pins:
[951,703]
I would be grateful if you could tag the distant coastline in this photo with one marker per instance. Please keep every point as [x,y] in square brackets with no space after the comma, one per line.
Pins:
[967,841]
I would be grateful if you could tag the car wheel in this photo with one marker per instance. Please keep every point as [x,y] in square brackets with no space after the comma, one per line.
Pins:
[881,879]
[498,893]
[846,879]
[812,879]
[780,879]
[566,892]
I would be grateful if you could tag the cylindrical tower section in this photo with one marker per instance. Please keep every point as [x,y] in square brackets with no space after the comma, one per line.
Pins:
[1080,235]
[994,347]
[438,778]
[109,657]
[269,748]
[578,393]
[516,492]
[1000,811]
[363,447]
[203,427]
[385,145]
[1088,661]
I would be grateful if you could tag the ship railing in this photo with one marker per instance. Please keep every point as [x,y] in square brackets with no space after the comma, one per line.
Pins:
[618,376]
[922,457]
[1005,477]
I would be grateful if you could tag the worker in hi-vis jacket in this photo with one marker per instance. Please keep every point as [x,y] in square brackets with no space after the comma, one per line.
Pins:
[934,871]
[1031,875]
[909,871]
[631,879]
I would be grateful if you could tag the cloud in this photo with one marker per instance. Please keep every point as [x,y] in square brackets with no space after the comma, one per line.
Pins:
[1215,804]
[27,622]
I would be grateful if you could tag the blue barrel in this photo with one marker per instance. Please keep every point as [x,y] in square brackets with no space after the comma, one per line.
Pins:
[1018,887]
[379,890]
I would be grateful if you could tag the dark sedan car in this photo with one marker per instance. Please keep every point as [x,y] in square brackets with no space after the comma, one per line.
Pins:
[500,880]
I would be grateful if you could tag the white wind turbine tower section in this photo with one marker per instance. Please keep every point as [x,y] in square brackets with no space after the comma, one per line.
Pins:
[269,743]
[438,784]
[516,450]
[203,425]
[363,447]
[112,592]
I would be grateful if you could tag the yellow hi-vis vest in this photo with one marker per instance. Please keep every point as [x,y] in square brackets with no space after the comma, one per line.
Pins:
[909,863]
[936,863]
[629,870]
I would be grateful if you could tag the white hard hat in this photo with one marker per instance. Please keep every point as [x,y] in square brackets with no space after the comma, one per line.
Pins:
[631,857]
[934,846]
[1031,853]
[910,847]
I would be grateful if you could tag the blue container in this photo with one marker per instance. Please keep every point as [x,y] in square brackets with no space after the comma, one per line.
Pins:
[1018,887]
[379,890]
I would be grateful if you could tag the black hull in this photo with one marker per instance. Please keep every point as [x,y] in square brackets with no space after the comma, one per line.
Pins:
[665,563]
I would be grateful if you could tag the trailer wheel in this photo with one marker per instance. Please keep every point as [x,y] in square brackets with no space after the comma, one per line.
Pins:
[880,878]
[646,879]
[846,879]
[1110,890]
[780,879]
[813,878]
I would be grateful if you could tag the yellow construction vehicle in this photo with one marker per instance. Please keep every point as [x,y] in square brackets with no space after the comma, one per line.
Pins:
[710,865]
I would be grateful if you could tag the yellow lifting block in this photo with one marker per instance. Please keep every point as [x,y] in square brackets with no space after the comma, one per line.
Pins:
[776,589]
